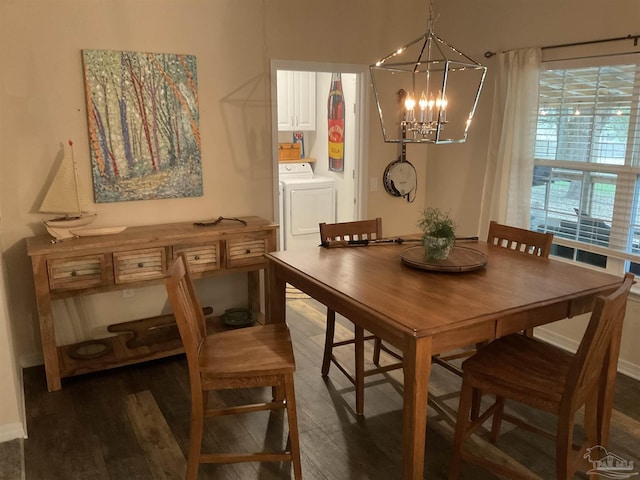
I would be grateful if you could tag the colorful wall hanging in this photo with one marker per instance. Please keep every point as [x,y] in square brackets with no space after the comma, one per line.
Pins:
[144,132]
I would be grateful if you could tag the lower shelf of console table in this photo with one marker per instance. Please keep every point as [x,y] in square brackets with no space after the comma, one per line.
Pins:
[119,354]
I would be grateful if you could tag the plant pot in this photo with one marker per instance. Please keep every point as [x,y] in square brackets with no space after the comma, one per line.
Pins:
[437,248]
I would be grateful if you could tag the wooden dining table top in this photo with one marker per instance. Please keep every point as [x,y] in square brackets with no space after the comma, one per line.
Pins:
[420,302]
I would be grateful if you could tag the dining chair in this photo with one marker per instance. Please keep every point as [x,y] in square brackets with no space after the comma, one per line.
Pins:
[353,231]
[516,239]
[260,356]
[542,376]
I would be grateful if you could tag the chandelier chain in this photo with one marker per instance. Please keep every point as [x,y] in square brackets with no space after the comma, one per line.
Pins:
[431,20]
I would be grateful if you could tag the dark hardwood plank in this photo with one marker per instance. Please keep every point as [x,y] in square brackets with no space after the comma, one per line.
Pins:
[165,458]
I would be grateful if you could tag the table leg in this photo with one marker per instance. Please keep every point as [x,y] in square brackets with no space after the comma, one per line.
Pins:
[276,297]
[359,348]
[47,325]
[276,308]
[417,368]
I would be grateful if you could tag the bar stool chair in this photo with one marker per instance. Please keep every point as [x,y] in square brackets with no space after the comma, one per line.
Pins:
[544,377]
[516,239]
[350,231]
[260,356]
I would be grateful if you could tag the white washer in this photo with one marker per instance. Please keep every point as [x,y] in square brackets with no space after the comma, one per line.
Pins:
[307,201]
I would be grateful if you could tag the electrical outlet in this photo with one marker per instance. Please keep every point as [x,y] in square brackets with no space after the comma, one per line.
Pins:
[128,293]
[373,184]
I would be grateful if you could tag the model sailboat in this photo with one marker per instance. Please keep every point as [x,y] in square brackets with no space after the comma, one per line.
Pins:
[64,197]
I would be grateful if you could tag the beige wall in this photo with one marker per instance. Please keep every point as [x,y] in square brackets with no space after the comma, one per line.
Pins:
[11,425]
[42,105]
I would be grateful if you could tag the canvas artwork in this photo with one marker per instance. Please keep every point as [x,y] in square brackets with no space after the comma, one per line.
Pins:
[144,132]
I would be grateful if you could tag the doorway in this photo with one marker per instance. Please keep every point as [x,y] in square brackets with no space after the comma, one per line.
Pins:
[349,184]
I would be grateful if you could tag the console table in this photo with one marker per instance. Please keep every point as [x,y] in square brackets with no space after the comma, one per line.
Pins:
[135,258]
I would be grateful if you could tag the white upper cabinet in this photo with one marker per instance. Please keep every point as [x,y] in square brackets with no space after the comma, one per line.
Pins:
[296,100]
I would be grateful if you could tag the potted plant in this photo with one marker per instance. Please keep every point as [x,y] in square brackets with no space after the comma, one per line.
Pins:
[439,233]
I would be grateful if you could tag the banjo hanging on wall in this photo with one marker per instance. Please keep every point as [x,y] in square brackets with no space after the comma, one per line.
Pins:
[400,179]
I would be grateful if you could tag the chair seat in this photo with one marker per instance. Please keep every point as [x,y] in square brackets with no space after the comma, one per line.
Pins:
[521,368]
[234,353]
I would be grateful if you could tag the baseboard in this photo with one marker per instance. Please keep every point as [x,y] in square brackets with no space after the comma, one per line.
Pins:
[11,431]
[625,367]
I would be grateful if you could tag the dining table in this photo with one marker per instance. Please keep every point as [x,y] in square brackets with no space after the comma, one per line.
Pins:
[425,308]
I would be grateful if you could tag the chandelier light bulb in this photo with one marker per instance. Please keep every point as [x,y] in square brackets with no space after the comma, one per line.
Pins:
[423,104]
[423,101]
[409,103]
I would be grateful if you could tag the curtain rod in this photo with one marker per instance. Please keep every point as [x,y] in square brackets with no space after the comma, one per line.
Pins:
[489,54]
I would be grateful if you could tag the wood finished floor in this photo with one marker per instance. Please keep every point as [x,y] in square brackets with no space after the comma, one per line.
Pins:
[133,423]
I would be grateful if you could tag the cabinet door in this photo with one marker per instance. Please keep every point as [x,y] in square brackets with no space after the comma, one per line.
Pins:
[286,113]
[296,100]
[305,100]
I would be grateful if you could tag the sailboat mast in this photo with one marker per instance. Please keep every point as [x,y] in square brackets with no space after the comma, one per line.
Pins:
[75,177]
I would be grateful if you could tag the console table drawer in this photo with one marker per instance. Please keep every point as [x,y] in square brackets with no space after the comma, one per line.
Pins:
[246,252]
[78,273]
[139,265]
[201,258]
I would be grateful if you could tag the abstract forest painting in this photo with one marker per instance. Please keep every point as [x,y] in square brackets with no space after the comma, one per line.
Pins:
[144,132]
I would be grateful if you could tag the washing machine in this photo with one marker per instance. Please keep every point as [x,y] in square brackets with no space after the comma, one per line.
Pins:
[307,200]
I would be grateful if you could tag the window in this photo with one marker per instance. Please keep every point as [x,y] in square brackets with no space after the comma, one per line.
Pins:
[586,187]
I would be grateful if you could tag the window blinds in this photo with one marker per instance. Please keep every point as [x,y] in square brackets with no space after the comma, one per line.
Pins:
[585,185]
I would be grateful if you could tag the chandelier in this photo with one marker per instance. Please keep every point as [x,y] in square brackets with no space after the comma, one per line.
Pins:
[426,91]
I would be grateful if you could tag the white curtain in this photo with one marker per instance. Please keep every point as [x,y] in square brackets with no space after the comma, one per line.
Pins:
[507,183]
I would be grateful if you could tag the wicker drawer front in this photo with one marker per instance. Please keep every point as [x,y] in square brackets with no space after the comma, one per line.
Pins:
[201,258]
[246,252]
[139,265]
[77,273]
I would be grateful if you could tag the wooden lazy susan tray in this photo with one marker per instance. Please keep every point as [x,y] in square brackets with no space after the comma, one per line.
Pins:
[460,259]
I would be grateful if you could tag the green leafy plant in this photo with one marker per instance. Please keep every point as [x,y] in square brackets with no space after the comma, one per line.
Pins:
[439,233]
[435,223]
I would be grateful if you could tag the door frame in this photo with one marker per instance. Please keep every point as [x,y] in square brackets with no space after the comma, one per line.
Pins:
[362,125]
